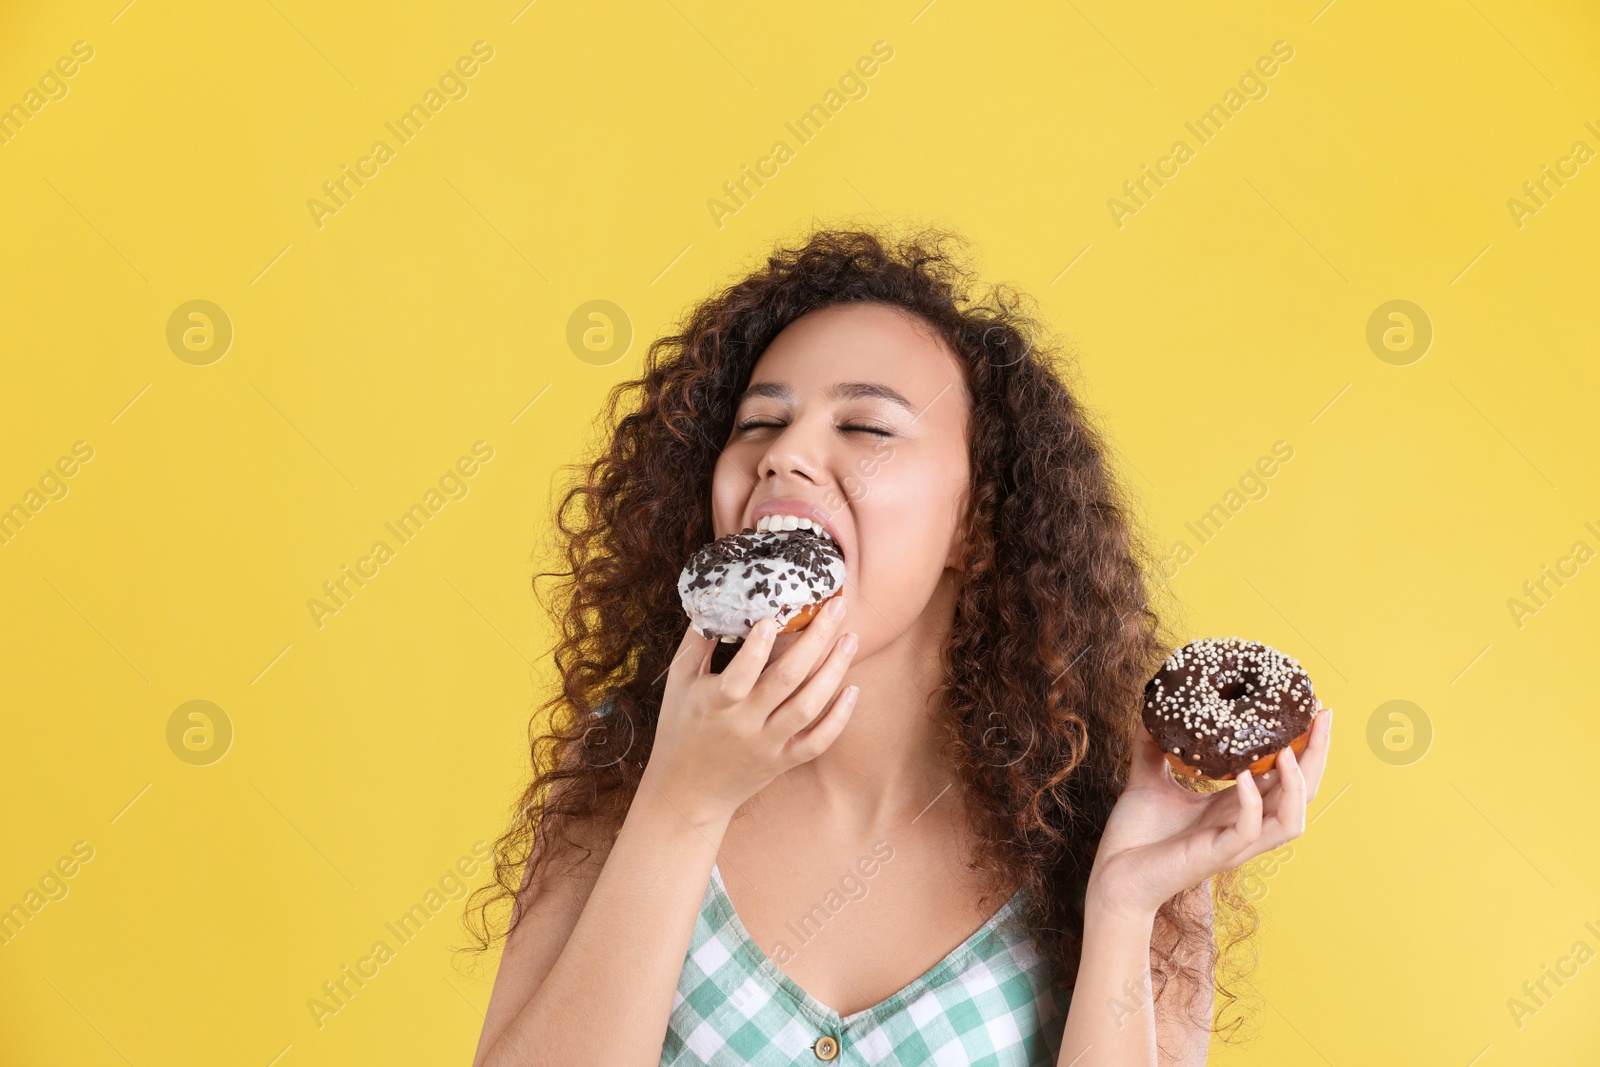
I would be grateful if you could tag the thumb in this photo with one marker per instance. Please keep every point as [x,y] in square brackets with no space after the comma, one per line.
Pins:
[1149,763]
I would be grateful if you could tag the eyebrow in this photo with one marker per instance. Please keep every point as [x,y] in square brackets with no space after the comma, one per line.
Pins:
[836,391]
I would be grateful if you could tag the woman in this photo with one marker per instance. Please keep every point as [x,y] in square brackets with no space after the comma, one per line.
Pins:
[930,828]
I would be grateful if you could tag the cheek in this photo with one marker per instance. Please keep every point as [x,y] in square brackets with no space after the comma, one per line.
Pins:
[917,496]
[904,520]
[896,573]
[730,490]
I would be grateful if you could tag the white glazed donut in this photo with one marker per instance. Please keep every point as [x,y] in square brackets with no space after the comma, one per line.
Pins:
[734,582]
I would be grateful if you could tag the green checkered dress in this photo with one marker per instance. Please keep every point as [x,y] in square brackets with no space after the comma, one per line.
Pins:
[989,1002]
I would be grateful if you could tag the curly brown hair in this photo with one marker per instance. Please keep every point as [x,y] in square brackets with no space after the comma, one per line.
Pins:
[1054,634]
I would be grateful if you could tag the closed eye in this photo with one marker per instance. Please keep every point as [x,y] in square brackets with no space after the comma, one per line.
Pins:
[853,428]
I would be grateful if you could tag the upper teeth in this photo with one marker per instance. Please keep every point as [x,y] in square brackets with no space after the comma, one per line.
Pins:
[790,522]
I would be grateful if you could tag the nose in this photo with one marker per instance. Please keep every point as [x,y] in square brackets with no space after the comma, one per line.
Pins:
[793,451]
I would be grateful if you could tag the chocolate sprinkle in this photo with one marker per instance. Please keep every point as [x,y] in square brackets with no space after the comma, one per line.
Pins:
[800,568]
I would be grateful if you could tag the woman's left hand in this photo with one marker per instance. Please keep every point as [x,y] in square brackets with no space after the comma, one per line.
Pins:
[1161,838]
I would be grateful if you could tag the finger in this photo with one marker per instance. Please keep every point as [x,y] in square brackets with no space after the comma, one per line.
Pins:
[810,743]
[1274,801]
[784,675]
[740,675]
[1268,782]
[1315,758]
[1231,840]
[1290,812]
[798,711]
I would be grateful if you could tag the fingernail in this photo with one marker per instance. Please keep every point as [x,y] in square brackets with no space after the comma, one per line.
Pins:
[851,694]
[848,643]
[834,609]
[765,627]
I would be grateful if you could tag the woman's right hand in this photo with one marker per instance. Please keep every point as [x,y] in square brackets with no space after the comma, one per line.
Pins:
[721,738]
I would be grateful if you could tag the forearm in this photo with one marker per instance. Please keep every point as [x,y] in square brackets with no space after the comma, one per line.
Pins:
[1111,1022]
[608,996]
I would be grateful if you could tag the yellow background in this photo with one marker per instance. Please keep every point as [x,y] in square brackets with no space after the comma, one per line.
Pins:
[431,312]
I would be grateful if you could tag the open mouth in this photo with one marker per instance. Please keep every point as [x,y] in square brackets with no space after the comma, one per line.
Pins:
[781,519]
[785,523]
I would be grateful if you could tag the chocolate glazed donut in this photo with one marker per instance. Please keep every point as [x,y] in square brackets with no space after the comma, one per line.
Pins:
[1221,704]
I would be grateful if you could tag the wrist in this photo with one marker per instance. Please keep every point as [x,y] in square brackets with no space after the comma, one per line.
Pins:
[1118,899]
[1107,909]
[668,805]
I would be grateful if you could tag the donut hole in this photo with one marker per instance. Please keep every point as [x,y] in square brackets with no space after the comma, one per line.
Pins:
[1232,689]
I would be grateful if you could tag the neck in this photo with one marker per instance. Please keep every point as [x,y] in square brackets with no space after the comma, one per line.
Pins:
[886,769]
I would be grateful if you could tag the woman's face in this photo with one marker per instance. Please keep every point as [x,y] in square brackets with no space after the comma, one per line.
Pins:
[858,411]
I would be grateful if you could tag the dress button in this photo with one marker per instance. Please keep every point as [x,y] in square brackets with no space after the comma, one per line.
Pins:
[827,1047]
